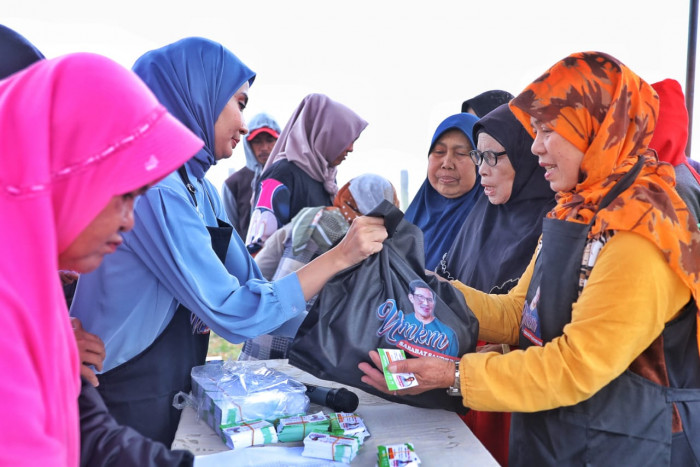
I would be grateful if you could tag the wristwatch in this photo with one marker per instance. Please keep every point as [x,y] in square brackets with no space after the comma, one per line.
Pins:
[455,389]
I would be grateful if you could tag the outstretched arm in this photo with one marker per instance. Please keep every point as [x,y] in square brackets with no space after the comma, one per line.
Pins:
[364,238]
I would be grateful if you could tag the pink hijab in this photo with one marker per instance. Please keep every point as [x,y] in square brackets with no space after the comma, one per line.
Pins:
[319,130]
[74,132]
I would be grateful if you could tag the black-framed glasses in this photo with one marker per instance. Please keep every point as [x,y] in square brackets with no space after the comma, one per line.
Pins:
[423,299]
[490,157]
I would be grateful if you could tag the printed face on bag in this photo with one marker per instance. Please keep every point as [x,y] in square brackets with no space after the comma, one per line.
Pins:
[409,332]
[423,304]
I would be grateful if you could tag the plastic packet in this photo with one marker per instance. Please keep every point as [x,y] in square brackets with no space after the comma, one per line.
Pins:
[235,392]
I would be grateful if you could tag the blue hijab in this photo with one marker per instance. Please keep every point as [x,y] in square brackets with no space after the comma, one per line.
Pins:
[17,52]
[438,217]
[194,78]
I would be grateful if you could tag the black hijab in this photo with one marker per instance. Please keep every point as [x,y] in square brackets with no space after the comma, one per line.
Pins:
[17,52]
[486,101]
[496,242]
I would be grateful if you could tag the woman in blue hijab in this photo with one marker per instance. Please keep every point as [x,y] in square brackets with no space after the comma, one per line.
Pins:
[450,189]
[182,270]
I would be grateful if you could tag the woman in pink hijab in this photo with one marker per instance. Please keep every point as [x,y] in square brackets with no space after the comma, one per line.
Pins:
[81,137]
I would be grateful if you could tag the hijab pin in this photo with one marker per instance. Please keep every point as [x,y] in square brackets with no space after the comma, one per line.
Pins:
[151,163]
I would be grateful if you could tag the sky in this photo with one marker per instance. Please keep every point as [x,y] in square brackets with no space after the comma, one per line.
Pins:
[404,66]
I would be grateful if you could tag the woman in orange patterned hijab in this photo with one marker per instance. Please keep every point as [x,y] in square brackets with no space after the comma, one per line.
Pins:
[609,113]
[607,370]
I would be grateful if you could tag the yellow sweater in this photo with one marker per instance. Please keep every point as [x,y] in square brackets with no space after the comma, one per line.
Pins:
[630,295]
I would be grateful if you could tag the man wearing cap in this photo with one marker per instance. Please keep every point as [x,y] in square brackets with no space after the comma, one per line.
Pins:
[238,189]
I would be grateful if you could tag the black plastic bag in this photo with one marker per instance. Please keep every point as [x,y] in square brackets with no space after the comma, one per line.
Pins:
[371,305]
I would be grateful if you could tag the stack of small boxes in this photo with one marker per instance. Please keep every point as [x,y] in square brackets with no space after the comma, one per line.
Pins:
[231,393]
[249,404]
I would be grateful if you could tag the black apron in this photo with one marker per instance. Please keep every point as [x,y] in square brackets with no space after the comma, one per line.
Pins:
[629,421]
[139,393]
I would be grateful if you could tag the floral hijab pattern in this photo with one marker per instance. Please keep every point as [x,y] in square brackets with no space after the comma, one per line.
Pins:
[609,113]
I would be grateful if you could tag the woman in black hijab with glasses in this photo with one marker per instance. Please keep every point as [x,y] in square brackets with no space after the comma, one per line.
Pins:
[497,239]
[495,243]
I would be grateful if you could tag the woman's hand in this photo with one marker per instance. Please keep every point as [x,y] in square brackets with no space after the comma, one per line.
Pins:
[438,276]
[68,277]
[91,350]
[365,238]
[500,348]
[430,372]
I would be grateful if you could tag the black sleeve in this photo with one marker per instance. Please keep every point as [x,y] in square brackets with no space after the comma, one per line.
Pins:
[103,442]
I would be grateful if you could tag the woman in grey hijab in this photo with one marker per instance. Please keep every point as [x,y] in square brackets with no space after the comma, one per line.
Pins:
[302,168]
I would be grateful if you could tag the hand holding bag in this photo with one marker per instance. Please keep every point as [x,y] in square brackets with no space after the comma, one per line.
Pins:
[386,301]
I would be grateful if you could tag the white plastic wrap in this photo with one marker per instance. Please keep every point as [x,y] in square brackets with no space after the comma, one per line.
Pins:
[234,392]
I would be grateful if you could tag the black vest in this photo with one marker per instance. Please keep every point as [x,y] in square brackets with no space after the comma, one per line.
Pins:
[629,421]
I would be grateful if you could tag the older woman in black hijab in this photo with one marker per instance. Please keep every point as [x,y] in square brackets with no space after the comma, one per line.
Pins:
[495,243]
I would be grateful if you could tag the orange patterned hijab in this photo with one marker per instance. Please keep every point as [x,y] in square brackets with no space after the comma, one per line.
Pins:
[609,113]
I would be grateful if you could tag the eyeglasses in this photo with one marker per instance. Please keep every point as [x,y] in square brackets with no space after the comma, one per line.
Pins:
[422,299]
[490,157]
